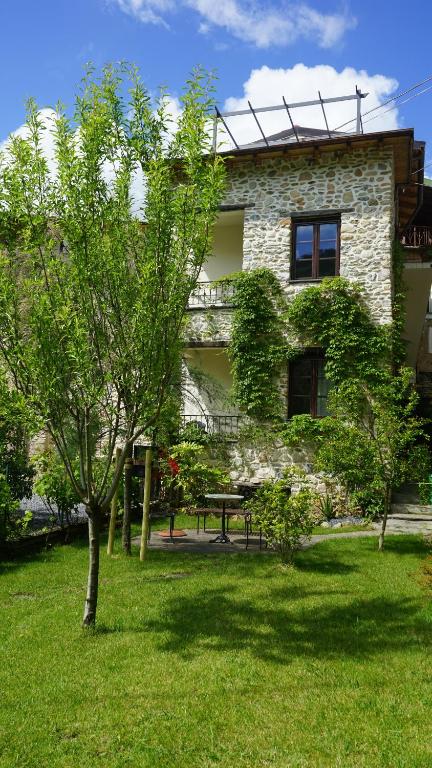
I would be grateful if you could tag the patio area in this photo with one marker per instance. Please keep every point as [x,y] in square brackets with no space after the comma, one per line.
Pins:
[201,542]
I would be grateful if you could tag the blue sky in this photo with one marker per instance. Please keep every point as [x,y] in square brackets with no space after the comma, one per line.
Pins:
[254,46]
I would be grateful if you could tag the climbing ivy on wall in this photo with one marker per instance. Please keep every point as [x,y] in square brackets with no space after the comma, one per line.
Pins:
[257,348]
[398,306]
[372,439]
[334,316]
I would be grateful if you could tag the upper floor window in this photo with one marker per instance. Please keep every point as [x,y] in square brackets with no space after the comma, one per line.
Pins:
[315,249]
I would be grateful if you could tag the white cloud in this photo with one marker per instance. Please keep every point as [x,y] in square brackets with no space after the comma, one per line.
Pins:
[47,117]
[147,11]
[266,86]
[257,23]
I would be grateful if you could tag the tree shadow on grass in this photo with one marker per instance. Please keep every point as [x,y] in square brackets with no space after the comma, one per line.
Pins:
[317,563]
[279,631]
[406,544]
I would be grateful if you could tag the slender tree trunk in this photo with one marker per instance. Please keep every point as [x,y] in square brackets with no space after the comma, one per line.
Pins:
[90,606]
[146,504]
[113,515]
[127,505]
[387,502]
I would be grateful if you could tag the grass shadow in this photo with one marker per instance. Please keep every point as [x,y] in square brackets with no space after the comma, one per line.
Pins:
[279,632]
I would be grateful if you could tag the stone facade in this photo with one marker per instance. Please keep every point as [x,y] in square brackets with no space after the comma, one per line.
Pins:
[358,185]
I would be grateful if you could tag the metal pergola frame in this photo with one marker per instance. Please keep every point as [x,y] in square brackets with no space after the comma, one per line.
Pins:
[254,111]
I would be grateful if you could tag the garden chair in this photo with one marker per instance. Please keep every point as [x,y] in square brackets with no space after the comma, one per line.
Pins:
[160,510]
[204,511]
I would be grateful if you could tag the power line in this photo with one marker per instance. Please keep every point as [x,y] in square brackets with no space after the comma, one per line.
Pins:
[384,104]
[405,101]
[422,169]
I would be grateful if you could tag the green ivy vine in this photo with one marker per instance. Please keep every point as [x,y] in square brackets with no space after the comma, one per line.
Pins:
[258,347]
[333,315]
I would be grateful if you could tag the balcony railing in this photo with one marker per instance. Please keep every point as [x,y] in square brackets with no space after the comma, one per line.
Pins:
[212,294]
[417,237]
[212,424]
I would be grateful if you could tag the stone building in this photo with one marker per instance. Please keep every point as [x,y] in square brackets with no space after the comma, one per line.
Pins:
[308,204]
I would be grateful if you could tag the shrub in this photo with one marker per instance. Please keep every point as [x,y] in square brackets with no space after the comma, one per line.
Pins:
[283,518]
[186,470]
[55,487]
[12,524]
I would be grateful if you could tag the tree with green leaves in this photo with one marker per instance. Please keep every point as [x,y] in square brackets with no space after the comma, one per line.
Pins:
[92,294]
[373,440]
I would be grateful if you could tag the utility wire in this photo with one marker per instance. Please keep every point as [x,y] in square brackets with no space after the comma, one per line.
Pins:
[384,104]
[421,169]
[410,98]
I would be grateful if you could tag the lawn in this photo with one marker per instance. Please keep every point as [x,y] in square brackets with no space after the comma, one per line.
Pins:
[220,660]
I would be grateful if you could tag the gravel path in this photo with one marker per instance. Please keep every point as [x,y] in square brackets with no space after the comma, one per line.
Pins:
[42,514]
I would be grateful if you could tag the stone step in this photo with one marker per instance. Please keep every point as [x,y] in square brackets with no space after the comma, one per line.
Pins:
[409,526]
[411,512]
[410,519]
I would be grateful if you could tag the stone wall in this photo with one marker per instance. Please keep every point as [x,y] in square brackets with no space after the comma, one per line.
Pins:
[359,184]
[209,324]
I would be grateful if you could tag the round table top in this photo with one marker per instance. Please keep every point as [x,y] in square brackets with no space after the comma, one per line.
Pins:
[223,496]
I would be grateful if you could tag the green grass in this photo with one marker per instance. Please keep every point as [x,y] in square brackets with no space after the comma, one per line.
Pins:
[219,661]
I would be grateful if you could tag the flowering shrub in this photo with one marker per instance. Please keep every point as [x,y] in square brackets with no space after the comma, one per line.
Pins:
[187,470]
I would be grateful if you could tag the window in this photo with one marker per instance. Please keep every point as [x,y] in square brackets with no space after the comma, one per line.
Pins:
[315,249]
[308,386]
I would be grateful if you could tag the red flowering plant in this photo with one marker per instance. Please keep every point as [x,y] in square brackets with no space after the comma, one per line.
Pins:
[187,473]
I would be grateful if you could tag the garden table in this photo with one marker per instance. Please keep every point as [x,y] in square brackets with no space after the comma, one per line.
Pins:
[222,538]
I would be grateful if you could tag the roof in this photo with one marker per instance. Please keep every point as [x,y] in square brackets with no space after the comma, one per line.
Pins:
[294,135]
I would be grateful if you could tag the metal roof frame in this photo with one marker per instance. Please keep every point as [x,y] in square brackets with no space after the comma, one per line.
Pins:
[254,111]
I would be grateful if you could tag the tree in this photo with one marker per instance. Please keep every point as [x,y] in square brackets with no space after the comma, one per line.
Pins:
[93,296]
[373,440]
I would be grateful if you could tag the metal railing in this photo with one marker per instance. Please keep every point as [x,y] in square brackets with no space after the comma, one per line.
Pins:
[213,424]
[212,294]
[417,237]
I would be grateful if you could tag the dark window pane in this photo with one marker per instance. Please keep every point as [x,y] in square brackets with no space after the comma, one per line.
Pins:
[323,386]
[299,405]
[328,231]
[301,375]
[327,251]
[308,387]
[321,409]
[303,268]
[327,267]
[300,386]
[304,251]
[304,233]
